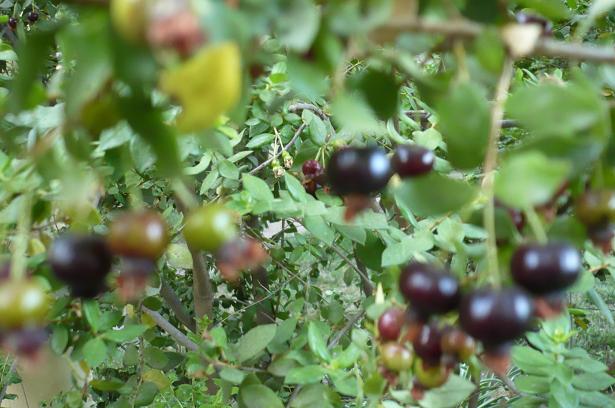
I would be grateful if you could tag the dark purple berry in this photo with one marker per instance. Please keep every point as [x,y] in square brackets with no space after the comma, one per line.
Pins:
[546,268]
[390,323]
[13,23]
[33,16]
[81,261]
[496,317]
[412,160]
[359,171]
[311,169]
[427,344]
[429,290]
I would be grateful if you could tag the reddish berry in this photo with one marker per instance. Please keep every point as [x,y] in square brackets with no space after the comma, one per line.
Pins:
[142,234]
[427,345]
[412,160]
[311,169]
[396,357]
[458,344]
[390,324]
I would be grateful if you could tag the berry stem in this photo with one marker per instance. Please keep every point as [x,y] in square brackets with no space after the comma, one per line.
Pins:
[536,225]
[18,261]
[497,114]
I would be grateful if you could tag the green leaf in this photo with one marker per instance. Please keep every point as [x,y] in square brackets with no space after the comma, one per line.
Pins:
[260,140]
[552,9]
[434,194]
[319,228]
[127,333]
[318,342]
[258,396]
[299,26]
[295,188]
[305,375]
[451,394]
[228,170]
[32,55]
[254,342]
[401,252]
[595,399]
[586,364]
[147,394]
[532,384]
[593,381]
[92,314]
[554,110]
[601,304]
[59,339]
[529,179]
[112,384]
[95,352]
[316,395]
[531,361]
[232,375]
[257,188]
[380,90]
[464,121]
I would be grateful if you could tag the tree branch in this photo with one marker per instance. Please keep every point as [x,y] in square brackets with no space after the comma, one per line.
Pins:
[201,283]
[175,304]
[368,287]
[275,156]
[467,29]
[298,107]
[174,332]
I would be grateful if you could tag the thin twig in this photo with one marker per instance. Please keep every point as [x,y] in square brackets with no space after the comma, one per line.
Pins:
[423,115]
[543,47]
[175,304]
[347,327]
[275,156]
[298,107]
[497,113]
[173,331]
[368,287]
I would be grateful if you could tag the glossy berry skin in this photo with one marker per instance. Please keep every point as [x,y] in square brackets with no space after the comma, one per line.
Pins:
[12,23]
[546,268]
[429,289]
[496,317]
[428,344]
[390,323]
[596,207]
[396,357]
[81,261]
[23,303]
[33,17]
[412,160]
[360,171]
[210,227]
[429,376]
[311,168]
[142,234]
[458,344]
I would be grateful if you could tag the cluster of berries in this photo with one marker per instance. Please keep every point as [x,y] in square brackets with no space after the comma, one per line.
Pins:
[415,339]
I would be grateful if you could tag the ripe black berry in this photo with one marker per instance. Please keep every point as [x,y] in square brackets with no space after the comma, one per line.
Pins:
[411,161]
[428,289]
[311,168]
[427,345]
[13,23]
[390,323]
[546,268]
[32,16]
[360,171]
[81,261]
[495,317]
